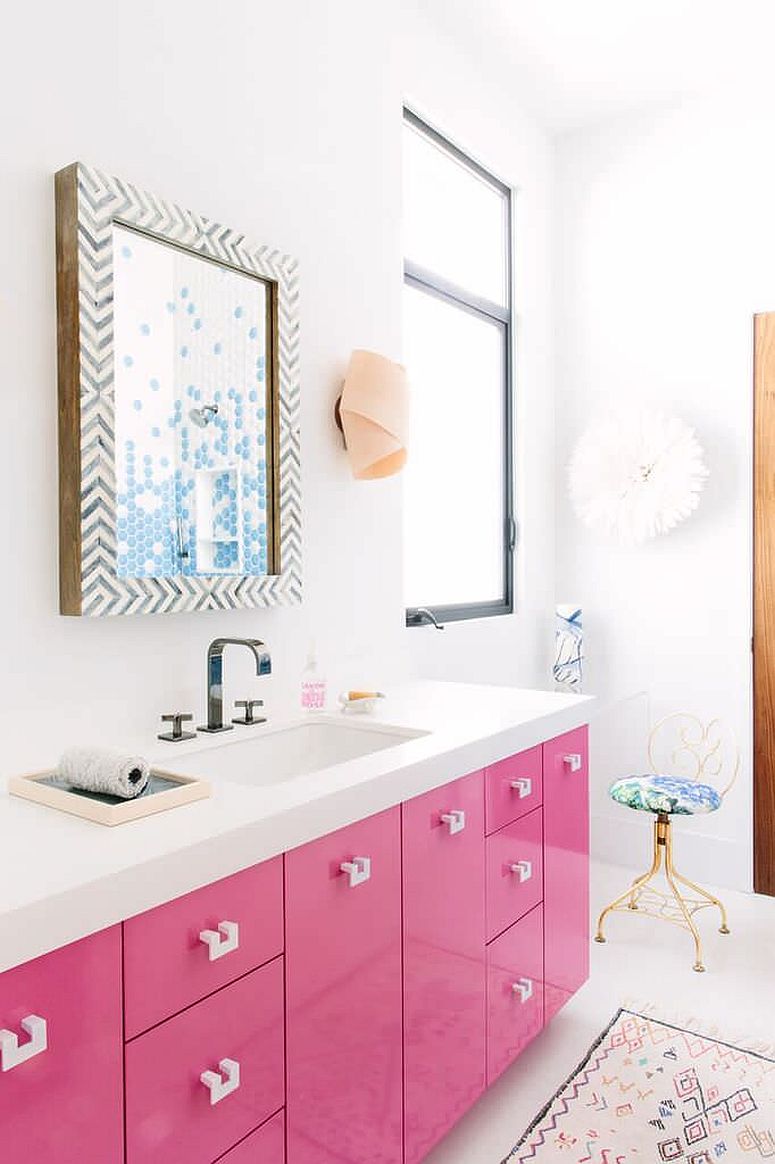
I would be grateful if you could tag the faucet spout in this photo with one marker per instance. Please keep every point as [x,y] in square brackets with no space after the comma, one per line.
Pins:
[215,677]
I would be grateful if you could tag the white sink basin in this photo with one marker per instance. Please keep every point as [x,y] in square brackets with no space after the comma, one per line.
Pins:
[286,752]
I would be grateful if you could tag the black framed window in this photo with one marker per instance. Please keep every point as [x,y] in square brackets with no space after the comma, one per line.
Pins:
[459,529]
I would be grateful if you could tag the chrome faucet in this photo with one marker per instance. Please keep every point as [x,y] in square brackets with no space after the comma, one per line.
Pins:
[215,677]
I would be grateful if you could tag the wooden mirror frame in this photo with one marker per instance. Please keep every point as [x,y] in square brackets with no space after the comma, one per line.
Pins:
[87,204]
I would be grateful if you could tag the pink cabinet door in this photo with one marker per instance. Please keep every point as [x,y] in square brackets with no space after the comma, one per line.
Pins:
[513,787]
[515,991]
[444,959]
[61,1104]
[343,995]
[515,876]
[167,965]
[266,1146]
[566,867]
[235,1037]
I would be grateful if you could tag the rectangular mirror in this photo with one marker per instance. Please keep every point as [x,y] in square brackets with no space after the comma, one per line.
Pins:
[179,467]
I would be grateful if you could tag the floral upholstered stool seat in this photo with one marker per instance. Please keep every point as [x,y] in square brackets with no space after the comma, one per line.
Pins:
[697,752]
[668,794]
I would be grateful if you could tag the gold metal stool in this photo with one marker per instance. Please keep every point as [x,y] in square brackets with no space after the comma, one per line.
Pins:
[697,756]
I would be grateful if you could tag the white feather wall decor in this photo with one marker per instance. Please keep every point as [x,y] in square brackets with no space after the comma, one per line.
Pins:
[634,476]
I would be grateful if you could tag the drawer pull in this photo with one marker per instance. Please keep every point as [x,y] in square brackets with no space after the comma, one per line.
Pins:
[572,762]
[455,820]
[12,1053]
[523,785]
[358,870]
[222,941]
[215,1083]
[524,988]
[524,869]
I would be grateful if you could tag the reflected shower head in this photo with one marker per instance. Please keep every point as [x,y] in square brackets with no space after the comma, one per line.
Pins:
[201,417]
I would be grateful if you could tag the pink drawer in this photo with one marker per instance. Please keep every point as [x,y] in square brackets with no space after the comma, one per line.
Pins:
[62,1105]
[170,1116]
[514,788]
[167,966]
[515,874]
[515,991]
[266,1146]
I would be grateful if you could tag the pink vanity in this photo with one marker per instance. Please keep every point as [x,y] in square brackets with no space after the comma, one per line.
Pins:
[343,1003]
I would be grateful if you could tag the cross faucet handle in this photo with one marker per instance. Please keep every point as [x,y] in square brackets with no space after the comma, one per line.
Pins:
[177,719]
[249,705]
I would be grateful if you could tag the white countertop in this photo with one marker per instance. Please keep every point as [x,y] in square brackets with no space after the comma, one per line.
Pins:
[62,877]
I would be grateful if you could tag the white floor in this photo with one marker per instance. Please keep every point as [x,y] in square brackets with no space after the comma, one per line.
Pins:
[642,960]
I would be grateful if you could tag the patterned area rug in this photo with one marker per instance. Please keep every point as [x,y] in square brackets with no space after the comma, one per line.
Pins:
[649,1092]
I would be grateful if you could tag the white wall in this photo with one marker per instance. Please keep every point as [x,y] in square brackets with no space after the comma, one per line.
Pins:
[283,120]
[666,249]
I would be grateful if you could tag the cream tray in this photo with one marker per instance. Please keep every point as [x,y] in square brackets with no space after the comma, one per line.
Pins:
[164,790]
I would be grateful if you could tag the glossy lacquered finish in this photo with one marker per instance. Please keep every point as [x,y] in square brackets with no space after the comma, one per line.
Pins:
[167,965]
[343,995]
[266,1146]
[566,867]
[387,1045]
[444,960]
[514,787]
[515,876]
[515,991]
[64,1105]
[169,1115]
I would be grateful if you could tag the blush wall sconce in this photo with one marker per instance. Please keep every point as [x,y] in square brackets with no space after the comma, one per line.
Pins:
[372,412]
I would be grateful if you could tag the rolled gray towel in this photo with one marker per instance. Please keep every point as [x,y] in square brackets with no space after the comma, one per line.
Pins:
[102,770]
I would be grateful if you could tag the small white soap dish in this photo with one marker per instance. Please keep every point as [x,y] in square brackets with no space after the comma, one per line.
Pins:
[359,702]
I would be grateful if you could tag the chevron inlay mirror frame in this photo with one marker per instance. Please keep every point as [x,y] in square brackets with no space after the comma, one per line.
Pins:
[179,474]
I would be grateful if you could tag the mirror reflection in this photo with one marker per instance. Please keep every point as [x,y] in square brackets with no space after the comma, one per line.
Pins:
[193,406]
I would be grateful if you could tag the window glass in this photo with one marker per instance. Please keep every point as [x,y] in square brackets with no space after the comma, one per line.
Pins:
[454,491]
[455,222]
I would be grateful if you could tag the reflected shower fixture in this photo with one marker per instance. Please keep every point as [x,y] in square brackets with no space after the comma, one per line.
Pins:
[202,416]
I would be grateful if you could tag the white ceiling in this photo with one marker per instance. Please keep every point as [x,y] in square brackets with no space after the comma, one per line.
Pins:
[576,62]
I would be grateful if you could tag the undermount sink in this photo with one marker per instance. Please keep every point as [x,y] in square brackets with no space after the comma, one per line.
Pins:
[287,752]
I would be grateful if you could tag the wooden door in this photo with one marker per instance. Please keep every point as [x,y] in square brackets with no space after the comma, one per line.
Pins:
[764,603]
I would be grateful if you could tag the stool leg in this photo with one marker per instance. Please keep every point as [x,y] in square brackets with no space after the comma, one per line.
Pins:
[724,927]
[671,876]
[638,884]
[635,889]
